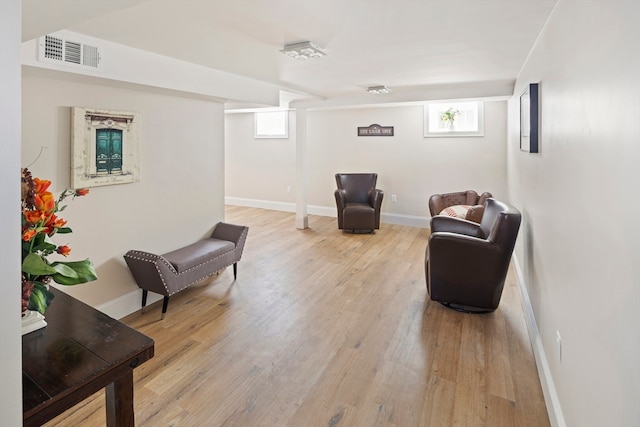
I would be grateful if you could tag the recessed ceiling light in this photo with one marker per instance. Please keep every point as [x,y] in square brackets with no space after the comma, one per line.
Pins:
[303,50]
[376,90]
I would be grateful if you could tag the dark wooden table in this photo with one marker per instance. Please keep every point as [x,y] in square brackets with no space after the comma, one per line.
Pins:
[78,353]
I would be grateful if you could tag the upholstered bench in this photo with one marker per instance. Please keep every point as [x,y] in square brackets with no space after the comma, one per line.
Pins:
[175,271]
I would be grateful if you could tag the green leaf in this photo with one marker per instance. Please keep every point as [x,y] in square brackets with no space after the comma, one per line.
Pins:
[44,246]
[84,272]
[35,265]
[39,238]
[64,270]
[64,230]
[40,298]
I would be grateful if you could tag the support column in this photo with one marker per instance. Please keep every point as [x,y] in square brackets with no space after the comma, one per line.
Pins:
[302,219]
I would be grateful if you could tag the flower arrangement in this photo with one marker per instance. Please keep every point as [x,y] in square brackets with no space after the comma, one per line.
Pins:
[40,222]
[449,116]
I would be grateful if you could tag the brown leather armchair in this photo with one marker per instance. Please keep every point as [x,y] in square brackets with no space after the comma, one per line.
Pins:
[358,201]
[439,202]
[466,263]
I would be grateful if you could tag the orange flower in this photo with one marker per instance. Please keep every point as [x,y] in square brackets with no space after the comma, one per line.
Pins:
[57,222]
[45,201]
[64,250]
[41,185]
[82,191]
[52,223]
[28,235]
[34,217]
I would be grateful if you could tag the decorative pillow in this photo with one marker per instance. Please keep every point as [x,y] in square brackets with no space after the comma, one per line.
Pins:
[457,211]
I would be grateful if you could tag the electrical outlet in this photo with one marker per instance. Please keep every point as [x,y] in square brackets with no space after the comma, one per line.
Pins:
[394,198]
[288,189]
[559,346]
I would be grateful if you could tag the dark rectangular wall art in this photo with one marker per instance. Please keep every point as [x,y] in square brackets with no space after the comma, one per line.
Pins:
[530,119]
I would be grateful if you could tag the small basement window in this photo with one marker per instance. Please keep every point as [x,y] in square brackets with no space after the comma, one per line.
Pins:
[454,119]
[271,124]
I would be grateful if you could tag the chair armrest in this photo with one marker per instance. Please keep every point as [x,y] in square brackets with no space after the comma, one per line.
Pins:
[483,198]
[459,243]
[150,271]
[341,198]
[375,198]
[442,223]
[436,204]
[232,233]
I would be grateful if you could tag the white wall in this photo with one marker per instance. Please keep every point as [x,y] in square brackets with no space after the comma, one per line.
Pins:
[408,165]
[580,247]
[10,350]
[180,195]
[258,169]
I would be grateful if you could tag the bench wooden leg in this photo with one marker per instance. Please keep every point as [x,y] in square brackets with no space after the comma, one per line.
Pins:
[235,270]
[165,304]
[144,299]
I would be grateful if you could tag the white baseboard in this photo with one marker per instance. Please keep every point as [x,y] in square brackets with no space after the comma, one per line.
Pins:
[126,304]
[408,220]
[262,204]
[386,218]
[551,399]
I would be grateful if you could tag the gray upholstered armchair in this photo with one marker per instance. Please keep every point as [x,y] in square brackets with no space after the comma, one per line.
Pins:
[466,263]
[358,201]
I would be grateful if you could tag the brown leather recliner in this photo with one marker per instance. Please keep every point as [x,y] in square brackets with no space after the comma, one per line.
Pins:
[439,202]
[358,201]
[466,263]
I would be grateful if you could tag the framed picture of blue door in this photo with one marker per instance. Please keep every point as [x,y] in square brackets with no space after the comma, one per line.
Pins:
[105,146]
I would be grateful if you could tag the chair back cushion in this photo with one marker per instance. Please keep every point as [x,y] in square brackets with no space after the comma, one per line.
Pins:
[356,185]
[492,209]
[504,231]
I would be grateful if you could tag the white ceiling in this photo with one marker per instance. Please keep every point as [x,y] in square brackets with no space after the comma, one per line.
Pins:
[407,45]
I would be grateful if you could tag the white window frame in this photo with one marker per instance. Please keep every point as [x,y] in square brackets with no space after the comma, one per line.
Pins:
[470,116]
[272,124]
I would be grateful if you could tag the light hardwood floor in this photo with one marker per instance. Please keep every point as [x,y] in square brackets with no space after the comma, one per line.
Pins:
[324,328]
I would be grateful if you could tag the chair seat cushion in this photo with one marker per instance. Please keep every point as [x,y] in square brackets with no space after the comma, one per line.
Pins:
[359,216]
[363,207]
[197,253]
[456,211]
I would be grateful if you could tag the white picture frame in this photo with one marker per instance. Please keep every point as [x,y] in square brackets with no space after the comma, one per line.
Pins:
[104,147]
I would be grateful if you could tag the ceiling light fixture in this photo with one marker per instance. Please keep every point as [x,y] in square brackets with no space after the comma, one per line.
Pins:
[376,90]
[303,50]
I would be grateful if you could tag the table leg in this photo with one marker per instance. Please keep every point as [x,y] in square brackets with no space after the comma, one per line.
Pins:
[119,396]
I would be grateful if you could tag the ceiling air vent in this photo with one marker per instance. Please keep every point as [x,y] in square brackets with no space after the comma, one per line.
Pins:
[60,51]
